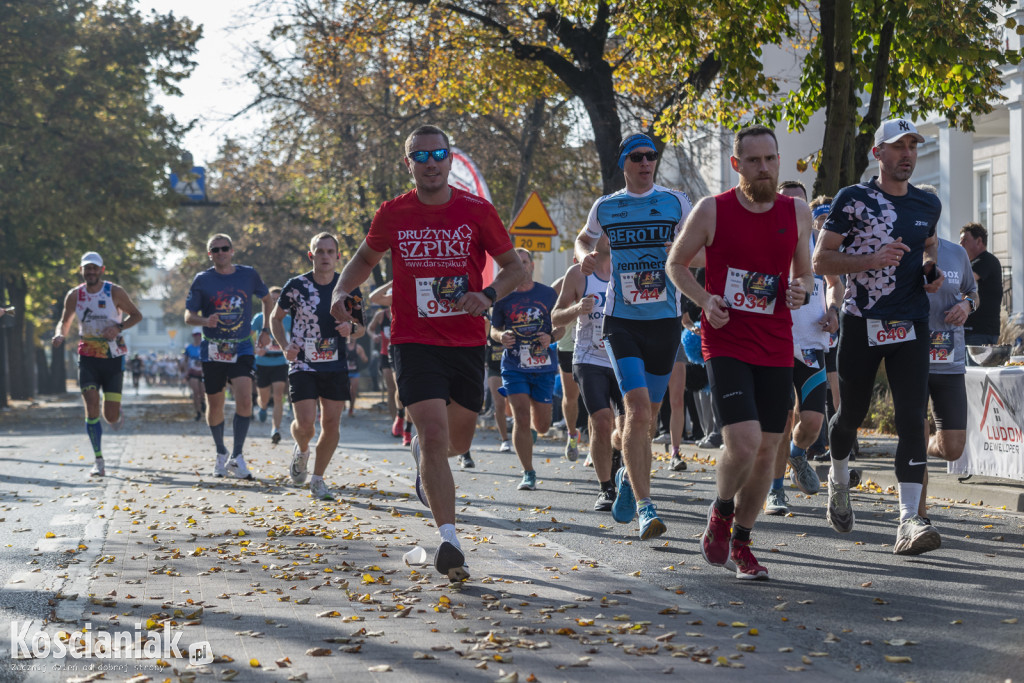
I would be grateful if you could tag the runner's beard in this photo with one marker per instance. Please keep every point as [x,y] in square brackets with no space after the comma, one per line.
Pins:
[760,191]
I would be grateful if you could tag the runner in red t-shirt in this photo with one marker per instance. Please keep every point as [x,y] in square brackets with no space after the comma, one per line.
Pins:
[438,237]
[755,244]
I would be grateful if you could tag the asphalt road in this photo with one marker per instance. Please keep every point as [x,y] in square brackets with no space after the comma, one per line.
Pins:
[952,611]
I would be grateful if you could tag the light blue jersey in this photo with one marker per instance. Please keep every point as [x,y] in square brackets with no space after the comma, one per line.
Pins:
[640,230]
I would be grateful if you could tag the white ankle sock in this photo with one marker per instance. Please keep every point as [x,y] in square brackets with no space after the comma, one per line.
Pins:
[447,532]
[840,472]
[910,498]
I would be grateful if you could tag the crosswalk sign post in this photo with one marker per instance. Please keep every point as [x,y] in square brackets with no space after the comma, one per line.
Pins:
[192,185]
[532,228]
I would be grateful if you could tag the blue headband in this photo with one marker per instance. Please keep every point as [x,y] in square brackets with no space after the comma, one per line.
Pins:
[631,143]
[821,210]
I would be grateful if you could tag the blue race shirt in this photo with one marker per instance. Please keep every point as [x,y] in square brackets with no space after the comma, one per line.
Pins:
[868,219]
[231,297]
[274,355]
[640,230]
[526,315]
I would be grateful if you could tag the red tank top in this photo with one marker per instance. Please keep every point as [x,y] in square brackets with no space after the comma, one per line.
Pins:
[748,265]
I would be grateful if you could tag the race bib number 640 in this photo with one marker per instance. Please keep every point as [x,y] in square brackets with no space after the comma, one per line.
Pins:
[881,332]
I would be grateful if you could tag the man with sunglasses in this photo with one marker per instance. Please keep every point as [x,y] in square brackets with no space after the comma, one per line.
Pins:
[635,227]
[220,300]
[439,237]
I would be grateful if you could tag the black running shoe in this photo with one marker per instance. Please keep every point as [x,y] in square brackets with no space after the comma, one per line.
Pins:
[450,561]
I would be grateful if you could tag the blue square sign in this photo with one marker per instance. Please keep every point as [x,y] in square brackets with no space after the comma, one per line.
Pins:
[193,186]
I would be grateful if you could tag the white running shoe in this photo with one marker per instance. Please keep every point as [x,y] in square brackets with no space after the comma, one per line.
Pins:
[298,470]
[220,469]
[98,470]
[318,487]
[506,447]
[236,467]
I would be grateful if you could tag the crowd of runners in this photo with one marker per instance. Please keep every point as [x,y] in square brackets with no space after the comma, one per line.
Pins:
[770,298]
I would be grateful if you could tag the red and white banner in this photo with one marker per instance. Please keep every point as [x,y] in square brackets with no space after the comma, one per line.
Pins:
[466,175]
[995,412]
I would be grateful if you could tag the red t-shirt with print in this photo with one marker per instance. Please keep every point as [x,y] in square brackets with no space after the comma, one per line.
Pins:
[437,255]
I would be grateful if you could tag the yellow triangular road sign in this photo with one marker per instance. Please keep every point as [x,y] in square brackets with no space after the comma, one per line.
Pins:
[533,219]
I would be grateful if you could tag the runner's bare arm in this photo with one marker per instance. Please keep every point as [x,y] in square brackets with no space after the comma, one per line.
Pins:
[510,275]
[355,273]
[382,295]
[277,316]
[801,278]
[698,233]
[588,249]
[65,319]
[125,304]
[268,308]
[931,265]
[568,306]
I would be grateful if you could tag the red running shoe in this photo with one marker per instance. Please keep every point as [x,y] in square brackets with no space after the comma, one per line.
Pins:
[397,427]
[714,544]
[747,566]
[407,437]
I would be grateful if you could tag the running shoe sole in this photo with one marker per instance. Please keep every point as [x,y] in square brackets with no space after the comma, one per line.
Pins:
[653,529]
[678,465]
[449,561]
[275,438]
[415,448]
[624,508]
[926,541]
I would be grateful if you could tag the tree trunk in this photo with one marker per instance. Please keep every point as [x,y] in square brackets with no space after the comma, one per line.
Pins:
[527,152]
[873,117]
[837,115]
[3,345]
[19,377]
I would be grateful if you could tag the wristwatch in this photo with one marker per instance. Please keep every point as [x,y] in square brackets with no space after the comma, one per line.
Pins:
[490,293]
[970,302]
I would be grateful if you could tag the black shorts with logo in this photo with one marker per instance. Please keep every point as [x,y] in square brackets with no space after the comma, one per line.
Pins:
[101,374]
[743,392]
[452,373]
[332,385]
[599,388]
[216,375]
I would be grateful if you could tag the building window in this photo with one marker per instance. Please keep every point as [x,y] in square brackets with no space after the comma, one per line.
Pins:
[983,197]
[161,325]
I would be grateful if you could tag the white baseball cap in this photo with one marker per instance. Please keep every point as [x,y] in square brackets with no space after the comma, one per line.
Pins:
[91,257]
[893,129]
[197,330]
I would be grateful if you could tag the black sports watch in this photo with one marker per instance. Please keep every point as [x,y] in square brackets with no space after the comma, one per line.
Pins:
[490,293]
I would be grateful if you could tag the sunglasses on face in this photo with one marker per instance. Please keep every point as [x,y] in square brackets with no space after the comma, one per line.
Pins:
[217,250]
[637,157]
[421,156]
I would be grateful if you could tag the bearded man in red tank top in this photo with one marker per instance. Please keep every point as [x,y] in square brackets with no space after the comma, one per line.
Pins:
[758,268]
